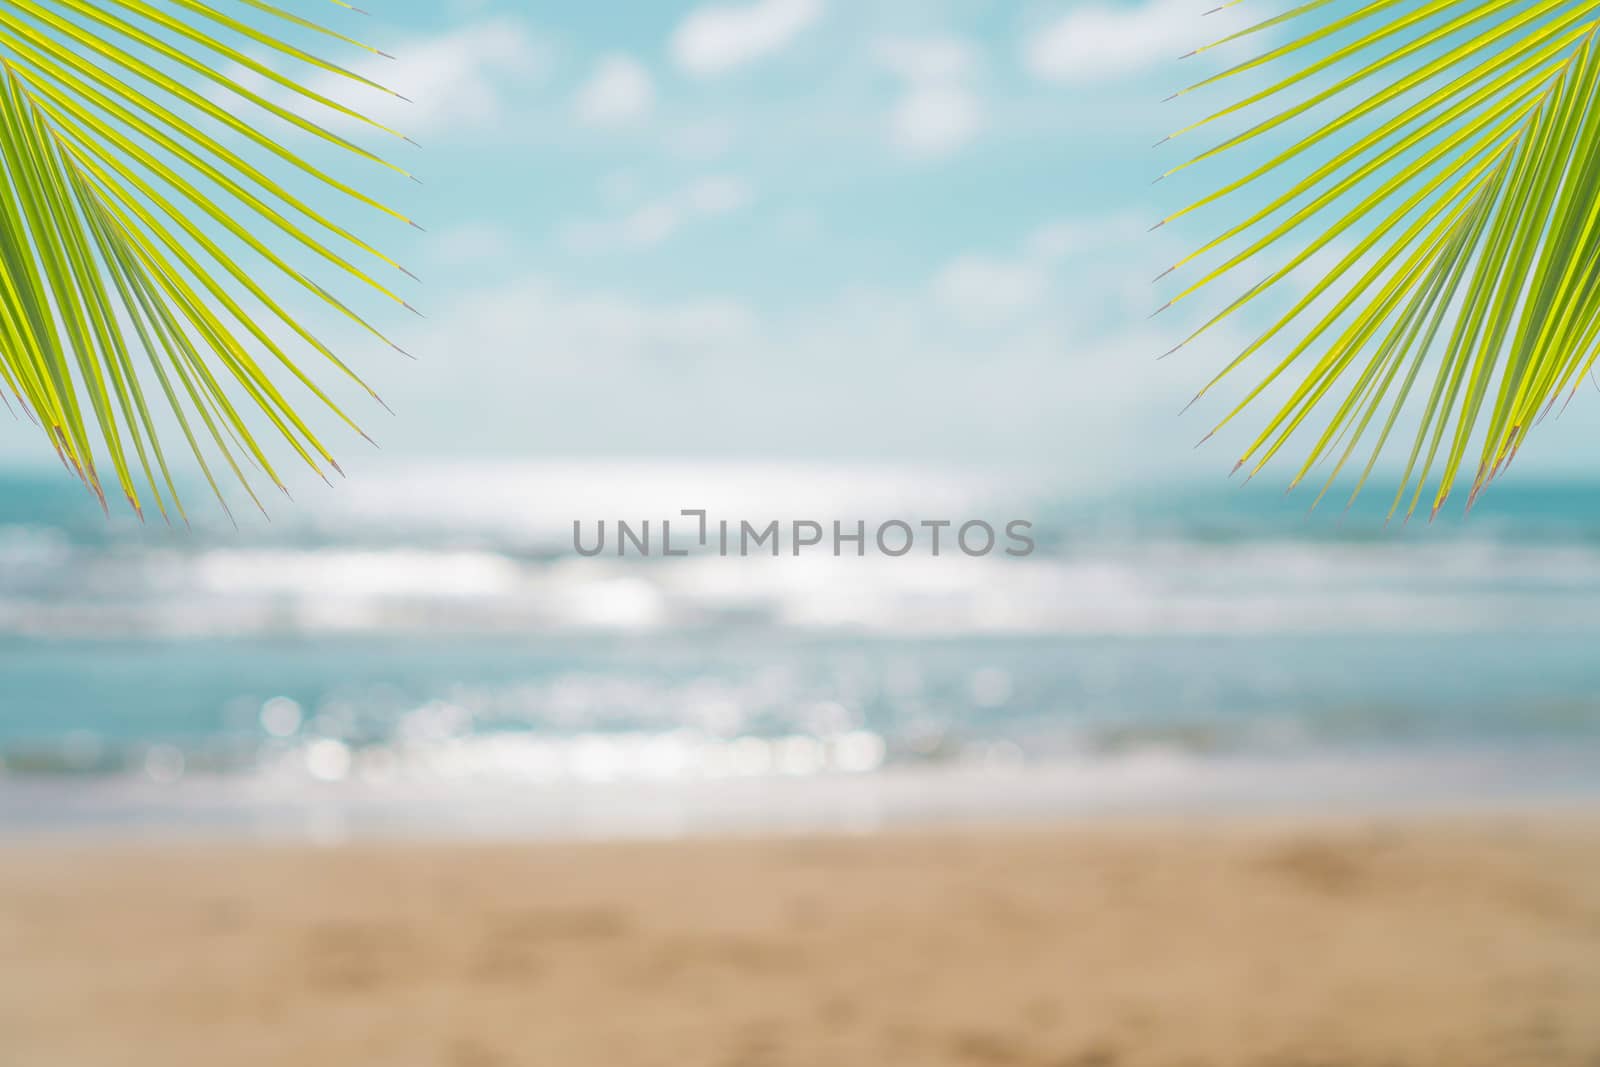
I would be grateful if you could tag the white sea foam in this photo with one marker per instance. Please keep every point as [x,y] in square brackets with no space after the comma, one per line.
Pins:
[1152,587]
[354,802]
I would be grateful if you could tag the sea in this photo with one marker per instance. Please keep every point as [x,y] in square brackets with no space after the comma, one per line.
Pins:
[422,651]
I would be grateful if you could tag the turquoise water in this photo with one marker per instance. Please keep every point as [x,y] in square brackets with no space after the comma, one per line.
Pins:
[929,698]
[377,639]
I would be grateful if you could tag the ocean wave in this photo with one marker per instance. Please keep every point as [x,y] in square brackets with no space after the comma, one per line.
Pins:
[1158,587]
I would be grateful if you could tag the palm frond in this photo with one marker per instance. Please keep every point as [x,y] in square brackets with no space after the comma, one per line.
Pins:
[150,243]
[1446,155]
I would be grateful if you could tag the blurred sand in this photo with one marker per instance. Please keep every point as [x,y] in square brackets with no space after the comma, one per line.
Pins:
[1384,944]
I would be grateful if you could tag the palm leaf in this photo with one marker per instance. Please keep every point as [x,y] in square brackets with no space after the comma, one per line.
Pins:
[150,243]
[1447,154]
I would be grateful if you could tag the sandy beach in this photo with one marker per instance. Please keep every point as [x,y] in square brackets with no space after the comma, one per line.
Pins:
[1381,943]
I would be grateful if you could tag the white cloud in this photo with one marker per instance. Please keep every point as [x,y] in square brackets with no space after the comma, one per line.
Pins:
[710,197]
[575,330]
[471,244]
[988,290]
[1042,362]
[657,220]
[982,291]
[701,140]
[715,39]
[938,111]
[620,91]
[935,120]
[454,81]
[1097,42]
[1056,241]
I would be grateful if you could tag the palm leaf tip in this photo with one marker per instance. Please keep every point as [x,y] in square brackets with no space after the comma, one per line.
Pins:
[151,253]
[1445,156]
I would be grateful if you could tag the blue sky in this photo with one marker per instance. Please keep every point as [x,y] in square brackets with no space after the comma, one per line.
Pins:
[888,230]
[790,228]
